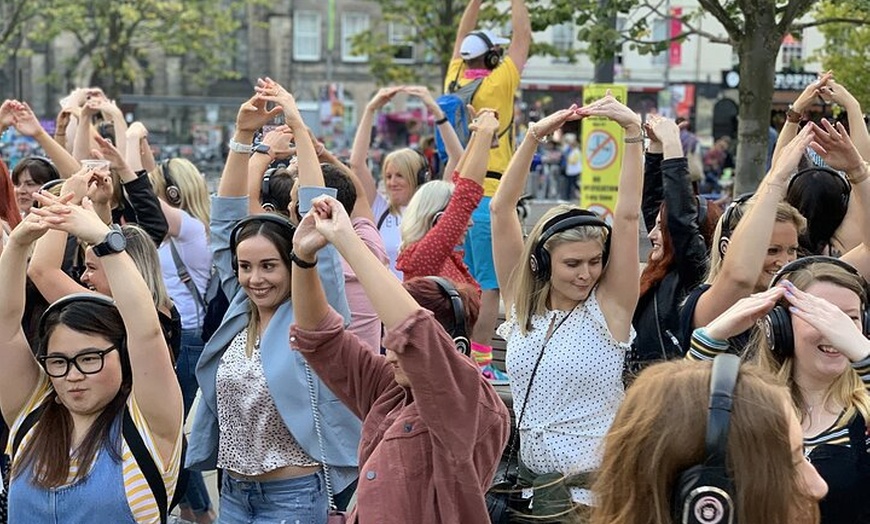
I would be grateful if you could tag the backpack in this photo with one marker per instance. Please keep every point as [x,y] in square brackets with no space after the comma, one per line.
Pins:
[455,104]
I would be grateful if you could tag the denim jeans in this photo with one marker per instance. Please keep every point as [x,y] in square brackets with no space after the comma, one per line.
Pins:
[196,495]
[300,500]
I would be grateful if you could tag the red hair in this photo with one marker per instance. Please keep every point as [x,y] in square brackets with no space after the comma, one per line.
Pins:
[8,203]
[655,270]
[430,296]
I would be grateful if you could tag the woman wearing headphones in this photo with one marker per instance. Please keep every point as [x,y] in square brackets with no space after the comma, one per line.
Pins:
[660,436]
[813,338]
[255,421]
[569,313]
[438,215]
[678,223]
[417,462]
[404,170]
[82,434]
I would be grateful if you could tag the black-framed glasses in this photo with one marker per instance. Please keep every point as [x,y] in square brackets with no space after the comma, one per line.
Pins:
[88,363]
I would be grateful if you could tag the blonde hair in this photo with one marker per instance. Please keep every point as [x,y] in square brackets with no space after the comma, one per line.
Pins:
[191,186]
[419,216]
[848,389]
[141,249]
[785,213]
[531,296]
[407,163]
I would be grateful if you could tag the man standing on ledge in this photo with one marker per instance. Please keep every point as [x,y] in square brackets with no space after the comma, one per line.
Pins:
[479,54]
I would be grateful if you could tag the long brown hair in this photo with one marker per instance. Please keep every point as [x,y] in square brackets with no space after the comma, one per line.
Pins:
[659,432]
[9,211]
[49,447]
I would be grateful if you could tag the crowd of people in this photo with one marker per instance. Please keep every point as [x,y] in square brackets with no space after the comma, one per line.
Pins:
[338,335]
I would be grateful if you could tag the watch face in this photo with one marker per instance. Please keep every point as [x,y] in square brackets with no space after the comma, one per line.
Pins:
[261,148]
[116,241]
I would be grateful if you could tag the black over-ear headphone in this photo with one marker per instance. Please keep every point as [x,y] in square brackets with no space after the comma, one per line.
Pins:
[173,194]
[61,303]
[55,174]
[539,261]
[274,218]
[492,57]
[47,187]
[266,200]
[703,493]
[846,186]
[423,175]
[702,210]
[459,331]
[776,325]
[727,217]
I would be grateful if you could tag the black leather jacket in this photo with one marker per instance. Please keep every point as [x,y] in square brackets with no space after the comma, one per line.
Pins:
[657,316]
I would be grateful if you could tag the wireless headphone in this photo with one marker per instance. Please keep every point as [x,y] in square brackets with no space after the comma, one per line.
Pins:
[732,213]
[703,494]
[47,187]
[539,261]
[55,174]
[267,202]
[61,303]
[423,175]
[274,218]
[776,325]
[492,57]
[846,186]
[173,194]
[459,331]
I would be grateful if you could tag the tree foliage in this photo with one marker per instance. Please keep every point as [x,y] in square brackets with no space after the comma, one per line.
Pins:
[116,38]
[847,45]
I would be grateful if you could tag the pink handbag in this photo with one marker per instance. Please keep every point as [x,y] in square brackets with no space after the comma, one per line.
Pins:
[336,517]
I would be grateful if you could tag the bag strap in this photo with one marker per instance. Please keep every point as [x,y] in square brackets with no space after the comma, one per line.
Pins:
[383,218]
[316,412]
[185,277]
[146,464]
[516,438]
[25,427]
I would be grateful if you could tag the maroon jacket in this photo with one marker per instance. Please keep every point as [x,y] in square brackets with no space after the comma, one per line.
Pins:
[426,456]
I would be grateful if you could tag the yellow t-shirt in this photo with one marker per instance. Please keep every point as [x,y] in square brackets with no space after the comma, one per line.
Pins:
[142,502]
[497,92]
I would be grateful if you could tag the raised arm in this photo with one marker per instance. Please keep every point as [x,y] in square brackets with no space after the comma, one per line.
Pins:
[834,92]
[521,35]
[133,153]
[359,154]
[448,134]
[278,141]
[748,245]
[113,113]
[7,115]
[19,373]
[804,100]
[155,385]
[85,132]
[620,284]
[467,24]
[507,232]
[252,116]
[28,125]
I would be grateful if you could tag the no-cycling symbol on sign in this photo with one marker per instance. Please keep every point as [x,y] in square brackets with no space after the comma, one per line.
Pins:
[600,149]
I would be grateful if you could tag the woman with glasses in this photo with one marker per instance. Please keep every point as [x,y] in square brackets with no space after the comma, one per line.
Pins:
[74,456]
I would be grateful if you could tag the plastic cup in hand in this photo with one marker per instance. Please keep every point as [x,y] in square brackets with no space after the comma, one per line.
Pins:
[96,165]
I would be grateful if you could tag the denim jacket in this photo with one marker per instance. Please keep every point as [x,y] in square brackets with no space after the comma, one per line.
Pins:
[283,367]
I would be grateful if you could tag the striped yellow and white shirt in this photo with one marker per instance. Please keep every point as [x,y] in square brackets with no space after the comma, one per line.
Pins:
[139,496]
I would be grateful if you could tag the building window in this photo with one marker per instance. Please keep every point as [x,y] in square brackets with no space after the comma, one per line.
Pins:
[402,40]
[306,35]
[792,53]
[351,25]
[660,33]
[563,40]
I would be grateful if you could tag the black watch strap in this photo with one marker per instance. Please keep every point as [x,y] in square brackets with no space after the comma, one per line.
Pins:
[115,242]
[302,263]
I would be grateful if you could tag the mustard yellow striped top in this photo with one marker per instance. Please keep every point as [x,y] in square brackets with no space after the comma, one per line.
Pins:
[139,495]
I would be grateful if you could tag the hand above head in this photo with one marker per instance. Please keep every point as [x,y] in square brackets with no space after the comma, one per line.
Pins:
[28,231]
[80,221]
[786,163]
[7,113]
[661,129]
[836,93]
[79,184]
[317,228]
[744,314]
[25,120]
[835,326]
[424,95]
[331,218]
[550,123]
[280,142]
[485,121]
[812,90]
[137,131]
[63,119]
[610,107]
[383,96]
[272,91]
[835,147]
[108,151]
[253,115]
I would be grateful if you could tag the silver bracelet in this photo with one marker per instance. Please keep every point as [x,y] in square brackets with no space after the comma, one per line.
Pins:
[236,147]
[635,139]
[536,137]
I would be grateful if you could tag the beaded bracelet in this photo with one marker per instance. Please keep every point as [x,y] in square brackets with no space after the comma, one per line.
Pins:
[536,137]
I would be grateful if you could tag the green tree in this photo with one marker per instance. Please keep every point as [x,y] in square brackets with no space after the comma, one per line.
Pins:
[114,38]
[847,45]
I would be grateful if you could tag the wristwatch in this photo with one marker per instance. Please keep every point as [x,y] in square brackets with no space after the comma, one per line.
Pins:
[115,242]
[236,147]
[793,116]
[262,148]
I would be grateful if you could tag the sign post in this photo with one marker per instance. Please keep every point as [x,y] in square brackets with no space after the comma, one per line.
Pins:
[601,140]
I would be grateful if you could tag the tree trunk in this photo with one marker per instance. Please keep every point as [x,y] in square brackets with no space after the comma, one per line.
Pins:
[758,52]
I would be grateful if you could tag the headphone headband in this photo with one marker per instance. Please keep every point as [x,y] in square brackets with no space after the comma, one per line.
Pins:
[727,217]
[486,40]
[540,258]
[459,331]
[801,263]
[273,218]
[60,304]
[722,382]
[173,193]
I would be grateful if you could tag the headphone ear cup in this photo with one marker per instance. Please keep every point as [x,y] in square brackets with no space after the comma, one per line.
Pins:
[173,195]
[543,265]
[463,345]
[778,332]
[697,502]
[491,59]
[723,246]
[686,482]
